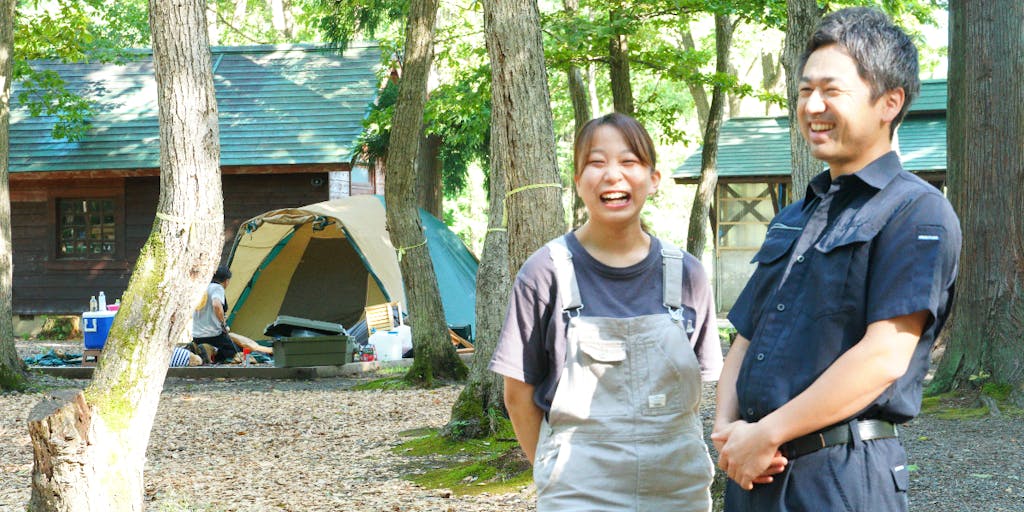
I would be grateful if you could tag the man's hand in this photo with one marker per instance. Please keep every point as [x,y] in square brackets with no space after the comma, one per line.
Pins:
[746,454]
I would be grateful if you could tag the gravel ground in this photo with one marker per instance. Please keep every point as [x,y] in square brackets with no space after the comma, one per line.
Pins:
[258,445]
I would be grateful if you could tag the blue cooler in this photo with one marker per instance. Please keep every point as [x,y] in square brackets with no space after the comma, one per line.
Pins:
[96,326]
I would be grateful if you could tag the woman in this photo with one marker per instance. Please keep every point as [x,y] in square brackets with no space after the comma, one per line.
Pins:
[607,337]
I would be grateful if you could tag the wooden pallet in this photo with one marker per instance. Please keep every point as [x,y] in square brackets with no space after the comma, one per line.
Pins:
[91,356]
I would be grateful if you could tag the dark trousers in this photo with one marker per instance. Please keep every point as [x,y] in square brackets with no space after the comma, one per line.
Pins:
[863,476]
[226,349]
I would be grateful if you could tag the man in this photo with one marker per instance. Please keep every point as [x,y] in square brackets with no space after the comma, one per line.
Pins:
[852,285]
[209,321]
[212,339]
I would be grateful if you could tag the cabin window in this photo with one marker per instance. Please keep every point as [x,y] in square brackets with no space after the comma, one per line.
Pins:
[86,228]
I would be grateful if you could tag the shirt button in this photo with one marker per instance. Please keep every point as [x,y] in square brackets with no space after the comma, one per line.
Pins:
[760,356]
[781,307]
[750,412]
[800,259]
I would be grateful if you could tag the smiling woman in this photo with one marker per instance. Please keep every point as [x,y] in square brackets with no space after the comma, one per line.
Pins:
[625,304]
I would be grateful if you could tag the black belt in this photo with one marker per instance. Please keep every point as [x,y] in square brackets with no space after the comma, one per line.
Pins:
[836,435]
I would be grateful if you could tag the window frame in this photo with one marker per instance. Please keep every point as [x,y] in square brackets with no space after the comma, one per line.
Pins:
[114,194]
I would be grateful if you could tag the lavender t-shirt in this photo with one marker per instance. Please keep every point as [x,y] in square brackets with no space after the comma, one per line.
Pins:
[532,344]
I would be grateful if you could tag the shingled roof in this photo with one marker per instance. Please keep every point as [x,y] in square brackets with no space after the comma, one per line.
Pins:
[759,146]
[278,105]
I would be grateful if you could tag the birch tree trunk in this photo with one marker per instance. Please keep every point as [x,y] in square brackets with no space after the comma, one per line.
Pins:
[986,186]
[522,137]
[435,356]
[618,63]
[581,114]
[89,448]
[481,401]
[802,18]
[696,234]
[12,370]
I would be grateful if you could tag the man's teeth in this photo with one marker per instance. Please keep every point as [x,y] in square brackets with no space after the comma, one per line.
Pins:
[821,127]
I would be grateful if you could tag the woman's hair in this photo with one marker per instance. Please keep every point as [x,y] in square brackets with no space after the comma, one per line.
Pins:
[636,136]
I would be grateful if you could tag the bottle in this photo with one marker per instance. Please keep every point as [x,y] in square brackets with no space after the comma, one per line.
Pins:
[92,303]
[102,304]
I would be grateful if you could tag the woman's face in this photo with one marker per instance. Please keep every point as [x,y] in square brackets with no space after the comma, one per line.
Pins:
[614,184]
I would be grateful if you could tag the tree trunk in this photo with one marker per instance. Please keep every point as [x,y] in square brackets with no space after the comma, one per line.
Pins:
[771,71]
[618,63]
[12,370]
[429,184]
[522,136]
[986,185]
[700,96]
[435,357]
[89,449]
[482,402]
[802,18]
[696,236]
[581,114]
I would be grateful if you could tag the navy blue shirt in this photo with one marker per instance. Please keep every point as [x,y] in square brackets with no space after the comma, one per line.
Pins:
[890,248]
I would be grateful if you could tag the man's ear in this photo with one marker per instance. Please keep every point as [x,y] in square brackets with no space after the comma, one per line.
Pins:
[892,102]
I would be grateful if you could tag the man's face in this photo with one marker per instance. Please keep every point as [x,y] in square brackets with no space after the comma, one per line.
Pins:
[837,117]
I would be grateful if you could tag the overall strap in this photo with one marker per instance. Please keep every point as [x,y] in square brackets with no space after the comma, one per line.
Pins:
[672,262]
[565,275]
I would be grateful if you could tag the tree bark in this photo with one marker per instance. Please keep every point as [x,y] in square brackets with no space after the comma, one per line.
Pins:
[802,18]
[986,186]
[581,114]
[89,450]
[522,136]
[696,236]
[12,370]
[435,357]
[618,63]
[429,180]
[481,401]
[771,71]
[700,96]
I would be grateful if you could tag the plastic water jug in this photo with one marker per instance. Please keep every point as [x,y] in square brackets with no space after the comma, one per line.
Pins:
[390,345]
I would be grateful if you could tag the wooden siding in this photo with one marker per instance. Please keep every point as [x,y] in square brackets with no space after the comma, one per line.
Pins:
[43,285]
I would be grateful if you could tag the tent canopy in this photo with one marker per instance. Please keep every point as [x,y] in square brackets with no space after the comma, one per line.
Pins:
[329,260]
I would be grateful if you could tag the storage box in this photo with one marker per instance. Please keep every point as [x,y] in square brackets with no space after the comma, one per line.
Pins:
[96,327]
[313,351]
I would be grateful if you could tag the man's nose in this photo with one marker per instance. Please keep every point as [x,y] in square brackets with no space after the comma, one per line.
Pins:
[814,103]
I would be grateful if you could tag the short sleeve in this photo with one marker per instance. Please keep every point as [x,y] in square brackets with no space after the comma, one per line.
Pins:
[705,341]
[217,294]
[521,352]
[914,260]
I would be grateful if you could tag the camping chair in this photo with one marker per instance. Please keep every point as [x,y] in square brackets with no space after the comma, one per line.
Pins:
[381,317]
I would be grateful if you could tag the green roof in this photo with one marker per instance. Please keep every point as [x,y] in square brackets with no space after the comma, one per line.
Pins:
[755,147]
[278,105]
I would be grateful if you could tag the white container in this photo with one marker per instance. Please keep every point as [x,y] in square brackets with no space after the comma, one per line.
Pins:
[390,345]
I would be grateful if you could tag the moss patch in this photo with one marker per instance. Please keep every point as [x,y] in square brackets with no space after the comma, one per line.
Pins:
[967,405]
[495,464]
[386,383]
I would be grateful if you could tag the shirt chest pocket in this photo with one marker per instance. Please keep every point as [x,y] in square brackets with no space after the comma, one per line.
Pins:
[777,244]
[841,277]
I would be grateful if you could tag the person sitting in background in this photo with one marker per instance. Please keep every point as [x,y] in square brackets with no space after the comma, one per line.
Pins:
[212,339]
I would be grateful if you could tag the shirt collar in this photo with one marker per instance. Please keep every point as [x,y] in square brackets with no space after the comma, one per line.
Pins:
[877,174]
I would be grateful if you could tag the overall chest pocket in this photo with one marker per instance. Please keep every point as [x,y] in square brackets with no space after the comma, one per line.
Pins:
[599,381]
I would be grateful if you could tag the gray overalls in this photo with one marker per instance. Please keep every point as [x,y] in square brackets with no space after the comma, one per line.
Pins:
[624,431]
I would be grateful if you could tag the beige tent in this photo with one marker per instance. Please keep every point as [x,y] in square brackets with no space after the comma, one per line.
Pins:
[329,260]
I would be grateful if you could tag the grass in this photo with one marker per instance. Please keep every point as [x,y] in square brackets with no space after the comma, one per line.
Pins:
[495,464]
[386,383]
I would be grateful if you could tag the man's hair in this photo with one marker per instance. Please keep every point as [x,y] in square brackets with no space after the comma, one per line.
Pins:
[222,274]
[886,58]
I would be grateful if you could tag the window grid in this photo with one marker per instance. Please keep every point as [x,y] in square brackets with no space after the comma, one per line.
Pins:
[85,228]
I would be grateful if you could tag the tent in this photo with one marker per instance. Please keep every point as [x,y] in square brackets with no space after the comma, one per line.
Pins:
[329,260]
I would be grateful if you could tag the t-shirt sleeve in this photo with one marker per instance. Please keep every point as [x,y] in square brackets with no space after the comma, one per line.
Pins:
[521,353]
[704,339]
[914,260]
[217,294]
